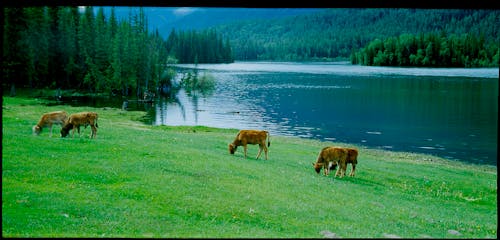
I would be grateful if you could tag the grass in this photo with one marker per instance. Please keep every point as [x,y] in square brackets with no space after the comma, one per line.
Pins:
[144,181]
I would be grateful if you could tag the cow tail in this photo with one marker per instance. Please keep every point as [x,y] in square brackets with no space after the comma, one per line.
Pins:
[96,122]
[268,139]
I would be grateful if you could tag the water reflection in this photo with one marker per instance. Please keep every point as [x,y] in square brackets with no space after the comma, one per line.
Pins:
[182,109]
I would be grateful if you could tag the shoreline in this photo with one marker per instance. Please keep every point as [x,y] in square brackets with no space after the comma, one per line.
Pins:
[398,154]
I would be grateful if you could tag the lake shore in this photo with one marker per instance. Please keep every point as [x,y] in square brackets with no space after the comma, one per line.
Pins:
[137,180]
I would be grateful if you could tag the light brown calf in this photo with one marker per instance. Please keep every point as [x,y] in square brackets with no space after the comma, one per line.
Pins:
[81,119]
[328,157]
[49,119]
[253,137]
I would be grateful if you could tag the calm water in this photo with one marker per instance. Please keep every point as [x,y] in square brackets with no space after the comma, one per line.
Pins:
[452,113]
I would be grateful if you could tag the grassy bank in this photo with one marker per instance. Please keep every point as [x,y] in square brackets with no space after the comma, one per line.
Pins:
[136,180]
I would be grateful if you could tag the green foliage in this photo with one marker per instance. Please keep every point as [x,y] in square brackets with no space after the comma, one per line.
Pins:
[140,181]
[167,76]
[334,33]
[191,81]
[62,47]
[199,47]
[428,50]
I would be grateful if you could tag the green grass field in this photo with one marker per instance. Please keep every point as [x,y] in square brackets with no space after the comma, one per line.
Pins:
[136,180]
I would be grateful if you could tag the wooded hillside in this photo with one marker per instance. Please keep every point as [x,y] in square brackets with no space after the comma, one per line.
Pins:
[336,33]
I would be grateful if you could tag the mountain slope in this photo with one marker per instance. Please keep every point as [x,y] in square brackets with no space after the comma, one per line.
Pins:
[196,18]
[335,33]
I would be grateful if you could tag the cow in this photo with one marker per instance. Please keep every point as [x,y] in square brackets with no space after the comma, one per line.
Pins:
[352,158]
[253,137]
[49,119]
[328,157]
[80,119]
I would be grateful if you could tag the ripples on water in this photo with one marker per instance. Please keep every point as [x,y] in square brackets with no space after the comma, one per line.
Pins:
[344,68]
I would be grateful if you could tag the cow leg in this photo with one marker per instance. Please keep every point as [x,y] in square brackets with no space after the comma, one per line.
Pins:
[94,131]
[50,130]
[327,168]
[245,150]
[265,150]
[76,128]
[260,151]
[344,168]
[353,170]
[339,171]
[73,131]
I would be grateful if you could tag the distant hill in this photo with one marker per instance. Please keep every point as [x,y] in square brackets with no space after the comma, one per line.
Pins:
[294,34]
[334,33]
[195,18]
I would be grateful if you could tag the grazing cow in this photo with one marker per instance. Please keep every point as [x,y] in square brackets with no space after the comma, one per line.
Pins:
[253,137]
[49,119]
[352,158]
[328,157]
[81,119]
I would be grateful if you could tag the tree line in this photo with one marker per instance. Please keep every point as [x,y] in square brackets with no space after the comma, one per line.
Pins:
[333,34]
[77,48]
[429,50]
[199,47]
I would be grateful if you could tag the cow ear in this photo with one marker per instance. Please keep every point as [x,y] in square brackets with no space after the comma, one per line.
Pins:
[313,164]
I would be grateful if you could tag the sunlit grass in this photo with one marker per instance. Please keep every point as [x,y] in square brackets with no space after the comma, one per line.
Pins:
[136,180]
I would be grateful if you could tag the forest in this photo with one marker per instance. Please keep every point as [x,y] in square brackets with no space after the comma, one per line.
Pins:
[81,48]
[76,48]
[341,34]
[429,50]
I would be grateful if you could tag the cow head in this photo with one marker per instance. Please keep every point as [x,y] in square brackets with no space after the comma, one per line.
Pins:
[36,130]
[64,133]
[317,167]
[232,148]
[65,129]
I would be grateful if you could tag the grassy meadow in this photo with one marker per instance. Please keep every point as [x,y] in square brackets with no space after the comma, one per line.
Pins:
[143,181]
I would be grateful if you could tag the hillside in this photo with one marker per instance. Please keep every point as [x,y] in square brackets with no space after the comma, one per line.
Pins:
[334,33]
[303,34]
[198,18]
[140,181]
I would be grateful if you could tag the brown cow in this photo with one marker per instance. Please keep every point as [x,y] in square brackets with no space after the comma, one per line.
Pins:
[49,119]
[81,119]
[329,156]
[352,158]
[253,137]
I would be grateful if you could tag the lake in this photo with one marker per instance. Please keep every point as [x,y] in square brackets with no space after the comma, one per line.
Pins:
[451,113]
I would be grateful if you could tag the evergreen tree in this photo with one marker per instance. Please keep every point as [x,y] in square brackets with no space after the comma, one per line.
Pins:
[36,40]
[68,45]
[12,54]
[86,39]
[61,47]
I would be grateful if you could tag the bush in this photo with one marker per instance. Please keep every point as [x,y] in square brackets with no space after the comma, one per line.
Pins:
[204,83]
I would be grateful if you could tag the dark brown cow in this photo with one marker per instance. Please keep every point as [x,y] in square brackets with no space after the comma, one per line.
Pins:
[49,119]
[253,137]
[352,158]
[81,119]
